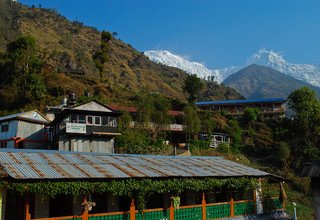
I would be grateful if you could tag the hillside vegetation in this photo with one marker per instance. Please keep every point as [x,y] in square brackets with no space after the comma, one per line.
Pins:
[66,49]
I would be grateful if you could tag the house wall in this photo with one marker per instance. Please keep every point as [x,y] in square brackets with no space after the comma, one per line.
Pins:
[86,144]
[12,132]
[31,131]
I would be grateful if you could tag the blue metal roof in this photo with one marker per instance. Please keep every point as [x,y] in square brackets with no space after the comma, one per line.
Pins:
[245,101]
[42,164]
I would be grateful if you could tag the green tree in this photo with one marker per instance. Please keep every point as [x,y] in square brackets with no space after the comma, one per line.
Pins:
[21,73]
[192,86]
[207,122]
[306,106]
[250,115]
[235,132]
[191,121]
[153,112]
[124,121]
[101,56]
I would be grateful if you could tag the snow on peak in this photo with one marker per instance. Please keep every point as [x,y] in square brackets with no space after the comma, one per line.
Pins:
[169,59]
[305,72]
[264,57]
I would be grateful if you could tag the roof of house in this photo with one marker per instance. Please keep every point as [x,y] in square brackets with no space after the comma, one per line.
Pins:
[245,101]
[311,169]
[31,116]
[41,164]
[132,109]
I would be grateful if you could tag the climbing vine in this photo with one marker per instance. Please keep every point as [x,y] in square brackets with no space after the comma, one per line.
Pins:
[138,188]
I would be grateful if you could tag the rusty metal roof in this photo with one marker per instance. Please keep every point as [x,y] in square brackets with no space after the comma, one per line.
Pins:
[42,164]
[311,169]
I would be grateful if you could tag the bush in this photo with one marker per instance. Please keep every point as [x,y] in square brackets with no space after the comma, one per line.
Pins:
[223,148]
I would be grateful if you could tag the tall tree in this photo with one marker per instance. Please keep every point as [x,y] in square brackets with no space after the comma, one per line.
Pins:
[153,112]
[191,121]
[306,120]
[101,56]
[193,86]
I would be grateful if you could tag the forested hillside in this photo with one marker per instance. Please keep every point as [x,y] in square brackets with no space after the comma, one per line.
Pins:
[70,57]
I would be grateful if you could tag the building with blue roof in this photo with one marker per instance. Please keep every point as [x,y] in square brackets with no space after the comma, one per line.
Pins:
[268,107]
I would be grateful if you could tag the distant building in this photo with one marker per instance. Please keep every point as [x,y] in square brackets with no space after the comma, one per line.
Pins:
[89,127]
[268,107]
[23,130]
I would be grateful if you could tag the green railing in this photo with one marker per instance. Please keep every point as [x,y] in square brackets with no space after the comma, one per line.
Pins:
[220,210]
[243,208]
[188,213]
[124,216]
[213,211]
[158,214]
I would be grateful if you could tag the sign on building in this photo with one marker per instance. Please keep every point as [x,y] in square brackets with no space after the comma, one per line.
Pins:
[76,128]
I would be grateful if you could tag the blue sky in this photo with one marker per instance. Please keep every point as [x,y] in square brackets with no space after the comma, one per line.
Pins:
[218,33]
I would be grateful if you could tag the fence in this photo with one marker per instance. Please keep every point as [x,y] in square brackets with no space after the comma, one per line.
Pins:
[194,212]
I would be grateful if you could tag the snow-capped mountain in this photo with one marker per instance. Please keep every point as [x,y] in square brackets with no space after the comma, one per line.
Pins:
[169,59]
[309,73]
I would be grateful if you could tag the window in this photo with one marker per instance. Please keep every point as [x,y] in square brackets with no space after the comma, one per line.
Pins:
[82,119]
[93,120]
[97,120]
[89,120]
[3,144]
[5,127]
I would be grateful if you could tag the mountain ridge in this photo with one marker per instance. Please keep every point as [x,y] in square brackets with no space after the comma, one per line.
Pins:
[256,81]
[309,73]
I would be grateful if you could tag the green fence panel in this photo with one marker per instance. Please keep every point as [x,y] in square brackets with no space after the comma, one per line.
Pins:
[154,215]
[218,211]
[243,208]
[276,203]
[111,217]
[73,218]
[192,213]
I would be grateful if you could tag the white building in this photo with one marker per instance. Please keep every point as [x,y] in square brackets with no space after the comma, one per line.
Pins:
[23,130]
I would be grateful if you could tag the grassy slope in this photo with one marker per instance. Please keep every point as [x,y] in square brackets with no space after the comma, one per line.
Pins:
[68,47]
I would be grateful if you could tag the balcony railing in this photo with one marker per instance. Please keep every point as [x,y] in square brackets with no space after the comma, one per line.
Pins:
[195,212]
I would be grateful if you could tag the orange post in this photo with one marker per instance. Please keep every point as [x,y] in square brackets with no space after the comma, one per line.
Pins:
[231,208]
[255,201]
[85,211]
[204,211]
[27,207]
[132,210]
[171,210]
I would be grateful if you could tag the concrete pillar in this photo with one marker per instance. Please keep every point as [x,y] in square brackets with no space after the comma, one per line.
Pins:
[258,198]
[3,196]
[315,184]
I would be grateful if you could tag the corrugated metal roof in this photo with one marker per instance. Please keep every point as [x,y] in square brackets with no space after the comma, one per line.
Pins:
[245,101]
[33,116]
[311,169]
[41,164]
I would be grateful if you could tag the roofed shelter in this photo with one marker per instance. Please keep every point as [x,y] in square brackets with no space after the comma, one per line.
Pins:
[313,170]
[55,183]
[268,107]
